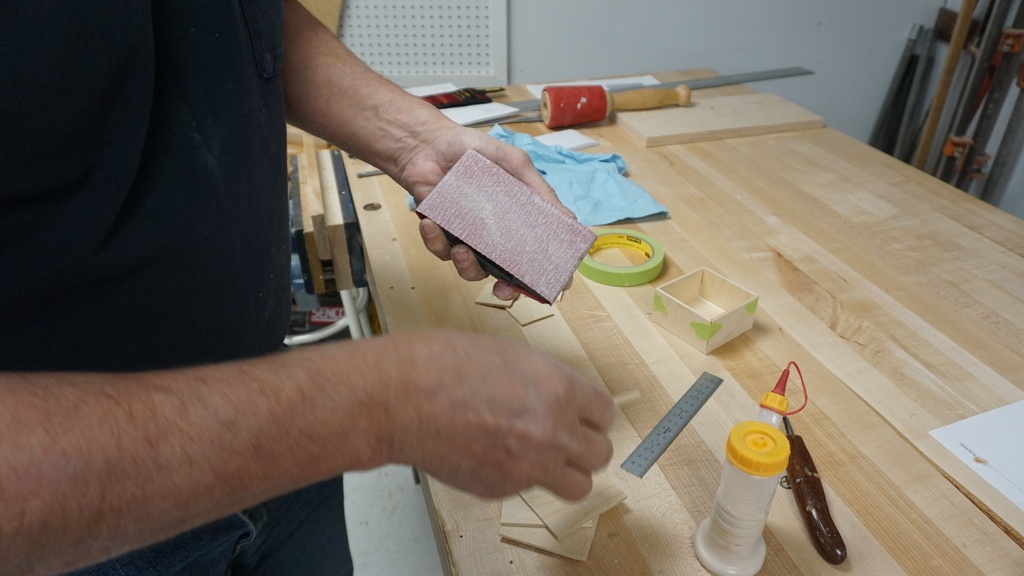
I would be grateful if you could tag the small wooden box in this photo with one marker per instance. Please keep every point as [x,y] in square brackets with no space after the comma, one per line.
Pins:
[704,309]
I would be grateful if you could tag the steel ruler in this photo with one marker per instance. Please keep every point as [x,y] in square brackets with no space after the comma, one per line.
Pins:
[658,440]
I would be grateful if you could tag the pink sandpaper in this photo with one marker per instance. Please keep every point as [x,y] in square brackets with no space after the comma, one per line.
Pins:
[498,216]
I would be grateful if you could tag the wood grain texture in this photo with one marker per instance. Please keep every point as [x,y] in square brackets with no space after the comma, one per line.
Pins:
[516,512]
[901,298]
[520,524]
[527,311]
[314,234]
[575,545]
[312,198]
[334,222]
[715,118]
[562,516]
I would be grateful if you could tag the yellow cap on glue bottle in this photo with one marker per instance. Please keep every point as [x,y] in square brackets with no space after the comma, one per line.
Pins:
[757,448]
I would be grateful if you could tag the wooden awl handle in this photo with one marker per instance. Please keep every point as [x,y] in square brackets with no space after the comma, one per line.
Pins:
[648,98]
[810,499]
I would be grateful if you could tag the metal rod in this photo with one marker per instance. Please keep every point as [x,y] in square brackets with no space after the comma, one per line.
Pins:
[910,127]
[1001,82]
[1009,154]
[695,84]
[963,113]
[956,46]
[987,119]
[885,112]
[728,79]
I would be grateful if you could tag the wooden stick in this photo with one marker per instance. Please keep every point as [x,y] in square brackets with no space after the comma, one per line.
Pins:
[956,46]
[626,398]
[311,202]
[334,221]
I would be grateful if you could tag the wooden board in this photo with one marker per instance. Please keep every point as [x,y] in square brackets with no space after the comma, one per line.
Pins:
[527,311]
[326,11]
[516,512]
[521,524]
[716,118]
[334,222]
[487,298]
[575,544]
[562,516]
[314,233]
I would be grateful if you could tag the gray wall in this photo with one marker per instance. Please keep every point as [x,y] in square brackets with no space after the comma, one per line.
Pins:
[853,47]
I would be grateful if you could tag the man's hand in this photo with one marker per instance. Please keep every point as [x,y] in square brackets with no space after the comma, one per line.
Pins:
[424,167]
[329,92]
[493,417]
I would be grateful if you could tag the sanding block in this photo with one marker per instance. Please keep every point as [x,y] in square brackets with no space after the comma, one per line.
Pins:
[517,236]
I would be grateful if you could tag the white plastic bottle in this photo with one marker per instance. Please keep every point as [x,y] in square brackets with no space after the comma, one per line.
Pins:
[730,541]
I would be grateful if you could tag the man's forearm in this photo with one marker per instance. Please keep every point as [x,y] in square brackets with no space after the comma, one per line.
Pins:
[97,464]
[331,93]
[92,465]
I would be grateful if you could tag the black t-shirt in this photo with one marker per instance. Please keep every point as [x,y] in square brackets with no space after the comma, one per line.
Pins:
[143,204]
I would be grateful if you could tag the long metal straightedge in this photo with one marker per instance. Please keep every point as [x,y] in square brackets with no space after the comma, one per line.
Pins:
[658,440]
[694,84]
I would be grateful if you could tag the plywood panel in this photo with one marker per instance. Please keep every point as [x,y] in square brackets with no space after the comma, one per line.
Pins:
[716,118]
[326,11]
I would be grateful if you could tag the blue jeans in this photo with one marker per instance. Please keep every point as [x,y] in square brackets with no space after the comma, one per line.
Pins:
[298,533]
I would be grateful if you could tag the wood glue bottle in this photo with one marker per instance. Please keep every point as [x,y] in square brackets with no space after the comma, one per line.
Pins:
[730,541]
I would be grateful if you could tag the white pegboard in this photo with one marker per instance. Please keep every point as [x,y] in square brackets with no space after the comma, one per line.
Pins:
[464,42]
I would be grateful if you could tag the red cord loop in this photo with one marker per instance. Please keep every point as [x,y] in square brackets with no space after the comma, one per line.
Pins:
[803,386]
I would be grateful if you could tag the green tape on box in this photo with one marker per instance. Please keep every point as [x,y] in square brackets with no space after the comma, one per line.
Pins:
[624,275]
[705,331]
[659,304]
[751,307]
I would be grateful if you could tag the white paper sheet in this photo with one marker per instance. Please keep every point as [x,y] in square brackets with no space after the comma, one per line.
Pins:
[570,139]
[479,112]
[991,444]
[432,89]
[464,114]
[647,80]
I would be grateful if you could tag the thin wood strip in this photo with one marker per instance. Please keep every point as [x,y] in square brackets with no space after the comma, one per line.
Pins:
[334,222]
[711,118]
[312,198]
[576,544]
[562,516]
[295,138]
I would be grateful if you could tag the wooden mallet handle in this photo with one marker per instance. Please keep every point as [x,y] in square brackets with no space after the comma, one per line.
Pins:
[648,98]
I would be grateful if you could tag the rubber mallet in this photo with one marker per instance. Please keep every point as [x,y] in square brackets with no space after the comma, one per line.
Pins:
[562,106]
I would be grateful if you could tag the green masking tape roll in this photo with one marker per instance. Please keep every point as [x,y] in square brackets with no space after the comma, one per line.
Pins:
[624,275]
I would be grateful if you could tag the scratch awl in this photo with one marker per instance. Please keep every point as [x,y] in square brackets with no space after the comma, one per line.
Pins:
[810,499]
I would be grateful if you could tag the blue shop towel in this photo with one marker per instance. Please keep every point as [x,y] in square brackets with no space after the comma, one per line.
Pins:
[591,185]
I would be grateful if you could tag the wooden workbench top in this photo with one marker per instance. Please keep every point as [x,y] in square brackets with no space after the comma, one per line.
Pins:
[901,298]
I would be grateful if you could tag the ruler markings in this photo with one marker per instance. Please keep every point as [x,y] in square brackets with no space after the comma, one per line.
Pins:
[671,425]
